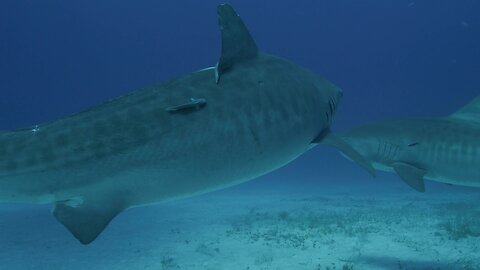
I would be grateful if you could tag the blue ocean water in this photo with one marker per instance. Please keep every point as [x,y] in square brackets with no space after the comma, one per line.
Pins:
[392,58]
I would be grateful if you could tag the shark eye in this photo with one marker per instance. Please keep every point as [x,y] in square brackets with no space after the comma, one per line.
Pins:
[413,144]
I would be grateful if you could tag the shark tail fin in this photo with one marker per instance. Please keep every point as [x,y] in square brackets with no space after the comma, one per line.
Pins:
[237,43]
[345,148]
[469,112]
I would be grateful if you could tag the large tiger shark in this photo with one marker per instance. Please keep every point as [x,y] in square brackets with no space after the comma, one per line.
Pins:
[250,114]
[444,149]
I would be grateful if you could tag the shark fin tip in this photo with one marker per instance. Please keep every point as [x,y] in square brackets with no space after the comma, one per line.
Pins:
[87,220]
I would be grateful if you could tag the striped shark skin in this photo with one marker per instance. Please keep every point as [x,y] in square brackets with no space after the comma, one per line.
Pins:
[250,114]
[443,149]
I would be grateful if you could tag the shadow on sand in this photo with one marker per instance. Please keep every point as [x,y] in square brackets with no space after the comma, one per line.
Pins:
[391,263]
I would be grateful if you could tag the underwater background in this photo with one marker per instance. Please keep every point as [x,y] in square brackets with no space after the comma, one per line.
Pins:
[392,58]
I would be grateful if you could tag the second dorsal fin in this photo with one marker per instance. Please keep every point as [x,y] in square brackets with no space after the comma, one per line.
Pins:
[237,43]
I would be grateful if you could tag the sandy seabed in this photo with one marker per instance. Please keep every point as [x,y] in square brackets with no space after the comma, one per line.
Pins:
[241,229]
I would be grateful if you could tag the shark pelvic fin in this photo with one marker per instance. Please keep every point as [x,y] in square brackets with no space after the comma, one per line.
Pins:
[237,43]
[469,112]
[411,175]
[87,220]
[342,146]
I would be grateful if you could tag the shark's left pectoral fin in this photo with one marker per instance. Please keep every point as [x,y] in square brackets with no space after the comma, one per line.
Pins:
[87,220]
[411,175]
[237,43]
[345,148]
[469,112]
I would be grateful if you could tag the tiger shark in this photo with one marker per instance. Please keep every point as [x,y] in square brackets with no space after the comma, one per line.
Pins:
[443,149]
[249,114]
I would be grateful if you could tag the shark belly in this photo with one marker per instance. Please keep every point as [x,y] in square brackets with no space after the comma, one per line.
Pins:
[202,169]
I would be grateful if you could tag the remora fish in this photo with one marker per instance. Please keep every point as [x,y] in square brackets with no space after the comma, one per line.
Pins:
[444,149]
[250,114]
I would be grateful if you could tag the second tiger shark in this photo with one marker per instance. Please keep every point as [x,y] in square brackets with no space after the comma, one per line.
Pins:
[250,114]
[443,149]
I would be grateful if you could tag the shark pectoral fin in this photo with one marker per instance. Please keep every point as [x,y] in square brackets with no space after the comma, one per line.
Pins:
[469,112]
[89,219]
[342,146]
[411,175]
[237,43]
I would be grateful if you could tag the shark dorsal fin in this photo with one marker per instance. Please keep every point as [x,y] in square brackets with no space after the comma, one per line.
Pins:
[237,43]
[469,112]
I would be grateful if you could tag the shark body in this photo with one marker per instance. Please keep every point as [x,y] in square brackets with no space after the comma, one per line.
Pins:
[444,149]
[250,114]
